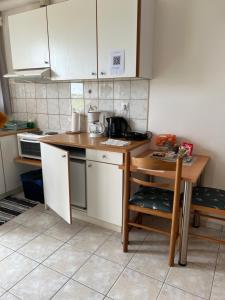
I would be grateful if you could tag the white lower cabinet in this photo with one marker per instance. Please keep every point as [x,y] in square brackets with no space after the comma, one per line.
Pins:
[2,177]
[8,167]
[104,184]
[104,192]
[55,170]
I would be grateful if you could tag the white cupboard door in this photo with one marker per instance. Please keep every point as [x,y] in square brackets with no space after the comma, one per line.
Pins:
[29,39]
[117,31]
[12,170]
[72,39]
[104,192]
[2,178]
[55,169]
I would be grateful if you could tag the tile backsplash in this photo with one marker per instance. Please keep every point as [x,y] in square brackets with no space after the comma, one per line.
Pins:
[50,105]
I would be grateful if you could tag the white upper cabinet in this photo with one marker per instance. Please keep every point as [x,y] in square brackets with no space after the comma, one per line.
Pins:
[29,39]
[72,39]
[117,31]
[125,37]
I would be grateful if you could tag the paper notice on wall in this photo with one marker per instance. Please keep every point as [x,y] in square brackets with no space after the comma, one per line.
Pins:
[117,62]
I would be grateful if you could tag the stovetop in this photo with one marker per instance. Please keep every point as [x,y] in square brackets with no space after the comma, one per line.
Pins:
[35,135]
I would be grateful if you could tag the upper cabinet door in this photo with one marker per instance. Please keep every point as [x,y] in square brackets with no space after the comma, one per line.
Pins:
[55,169]
[29,39]
[72,39]
[117,38]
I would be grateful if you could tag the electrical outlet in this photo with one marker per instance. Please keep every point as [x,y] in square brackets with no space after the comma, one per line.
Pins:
[124,107]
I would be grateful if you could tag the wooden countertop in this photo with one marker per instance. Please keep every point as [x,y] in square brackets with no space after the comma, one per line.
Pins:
[190,172]
[13,132]
[83,140]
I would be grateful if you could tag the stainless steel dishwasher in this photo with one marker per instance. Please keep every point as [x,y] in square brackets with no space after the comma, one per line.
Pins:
[78,183]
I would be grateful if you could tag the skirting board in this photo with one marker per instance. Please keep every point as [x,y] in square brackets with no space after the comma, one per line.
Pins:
[82,215]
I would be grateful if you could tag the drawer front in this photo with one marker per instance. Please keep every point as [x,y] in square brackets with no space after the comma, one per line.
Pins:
[105,156]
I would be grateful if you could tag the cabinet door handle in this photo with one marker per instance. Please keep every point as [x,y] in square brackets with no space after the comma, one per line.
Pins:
[46,62]
[63,156]
[103,73]
[93,73]
[89,165]
[104,156]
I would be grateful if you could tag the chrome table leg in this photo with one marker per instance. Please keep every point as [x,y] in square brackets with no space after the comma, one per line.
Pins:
[185,223]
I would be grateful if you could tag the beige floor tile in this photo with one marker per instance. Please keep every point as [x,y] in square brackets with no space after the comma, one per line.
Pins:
[202,252]
[64,231]
[17,237]
[90,238]
[67,260]
[8,227]
[25,217]
[40,284]
[206,231]
[15,267]
[40,247]
[4,252]
[2,291]
[112,249]
[9,296]
[133,285]
[194,278]
[152,257]
[99,274]
[41,221]
[171,293]
[218,291]
[74,290]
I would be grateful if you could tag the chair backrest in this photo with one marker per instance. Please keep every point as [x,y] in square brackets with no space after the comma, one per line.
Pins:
[143,165]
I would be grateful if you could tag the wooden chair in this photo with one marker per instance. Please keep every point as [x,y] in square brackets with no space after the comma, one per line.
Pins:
[210,203]
[154,198]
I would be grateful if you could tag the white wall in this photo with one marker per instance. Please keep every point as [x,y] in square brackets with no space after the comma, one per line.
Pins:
[188,90]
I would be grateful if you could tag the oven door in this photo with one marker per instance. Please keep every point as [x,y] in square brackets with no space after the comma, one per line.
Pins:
[30,148]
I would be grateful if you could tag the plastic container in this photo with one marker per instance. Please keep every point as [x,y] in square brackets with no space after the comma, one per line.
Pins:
[33,185]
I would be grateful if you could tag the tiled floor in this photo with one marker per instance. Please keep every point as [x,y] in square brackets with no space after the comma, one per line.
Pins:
[41,257]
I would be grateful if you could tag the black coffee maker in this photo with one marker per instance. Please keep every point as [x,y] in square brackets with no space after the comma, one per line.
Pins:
[117,127]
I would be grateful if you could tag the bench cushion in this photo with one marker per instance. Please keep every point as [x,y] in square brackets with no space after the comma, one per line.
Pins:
[209,197]
[153,198]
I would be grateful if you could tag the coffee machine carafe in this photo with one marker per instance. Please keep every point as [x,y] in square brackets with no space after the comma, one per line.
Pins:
[95,127]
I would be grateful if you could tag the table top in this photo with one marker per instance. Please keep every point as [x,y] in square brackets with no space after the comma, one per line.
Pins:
[82,140]
[190,172]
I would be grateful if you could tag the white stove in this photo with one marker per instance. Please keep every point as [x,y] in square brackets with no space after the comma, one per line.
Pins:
[29,143]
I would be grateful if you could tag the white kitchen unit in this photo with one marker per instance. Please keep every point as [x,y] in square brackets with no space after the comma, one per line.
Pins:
[104,192]
[12,171]
[55,170]
[125,35]
[86,39]
[73,39]
[2,177]
[29,39]
[104,183]
[9,170]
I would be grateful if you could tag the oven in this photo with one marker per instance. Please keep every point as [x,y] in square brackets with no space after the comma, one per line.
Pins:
[29,144]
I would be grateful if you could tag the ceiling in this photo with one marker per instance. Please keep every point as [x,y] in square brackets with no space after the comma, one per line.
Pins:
[11,4]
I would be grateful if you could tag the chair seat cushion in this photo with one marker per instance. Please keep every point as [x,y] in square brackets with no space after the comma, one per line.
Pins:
[209,197]
[153,198]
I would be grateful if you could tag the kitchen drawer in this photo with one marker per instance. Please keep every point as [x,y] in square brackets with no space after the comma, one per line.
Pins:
[105,156]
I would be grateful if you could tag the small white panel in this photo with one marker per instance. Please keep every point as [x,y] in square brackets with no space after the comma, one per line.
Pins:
[105,156]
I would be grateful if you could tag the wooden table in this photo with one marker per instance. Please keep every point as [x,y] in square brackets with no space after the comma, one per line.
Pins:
[190,175]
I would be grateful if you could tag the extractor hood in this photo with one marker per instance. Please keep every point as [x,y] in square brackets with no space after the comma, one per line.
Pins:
[31,74]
